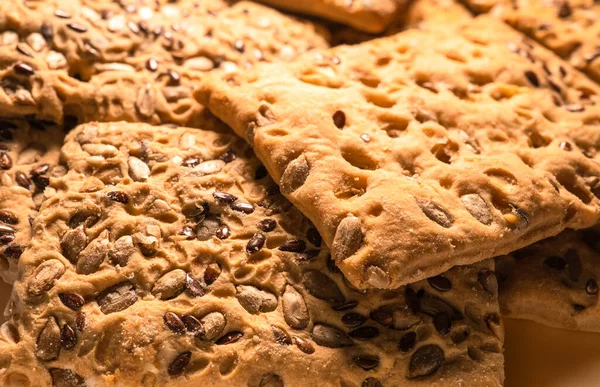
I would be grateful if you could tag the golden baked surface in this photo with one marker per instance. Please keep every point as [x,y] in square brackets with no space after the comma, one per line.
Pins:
[424,150]
[168,255]
[29,155]
[92,60]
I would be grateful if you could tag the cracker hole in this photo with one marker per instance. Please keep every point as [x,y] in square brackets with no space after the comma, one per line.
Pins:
[359,158]
[228,365]
[569,181]
[548,117]
[585,93]
[427,84]
[502,93]
[393,125]
[378,99]
[182,109]
[276,132]
[384,61]
[351,187]
[444,151]
[375,210]
[402,49]
[274,241]
[424,116]
[455,56]
[245,271]
[369,81]
[459,92]
[536,140]
[591,121]
[527,160]
[500,203]
[480,79]
[501,175]
[197,365]
[446,182]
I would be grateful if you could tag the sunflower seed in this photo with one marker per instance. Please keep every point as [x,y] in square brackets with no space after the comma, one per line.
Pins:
[425,361]
[179,364]
[213,324]
[48,342]
[321,286]
[44,277]
[295,311]
[174,323]
[330,337]
[68,337]
[295,175]
[255,300]
[170,285]
[348,238]
[122,251]
[72,301]
[117,298]
[93,255]
[65,378]
[138,170]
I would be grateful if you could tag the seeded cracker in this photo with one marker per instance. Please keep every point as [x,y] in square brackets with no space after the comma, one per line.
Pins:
[168,255]
[70,61]
[29,153]
[365,15]
[424,150]
[98,60]
[569,28]
[554,282]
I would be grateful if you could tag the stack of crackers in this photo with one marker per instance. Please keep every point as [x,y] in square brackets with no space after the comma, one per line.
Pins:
[321,193]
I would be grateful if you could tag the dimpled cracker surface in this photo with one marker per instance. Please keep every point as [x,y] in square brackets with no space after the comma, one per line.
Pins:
[29,153]
[169,257]
[365,15]
[424,150]
[554,282]
[569,28]
[136,61]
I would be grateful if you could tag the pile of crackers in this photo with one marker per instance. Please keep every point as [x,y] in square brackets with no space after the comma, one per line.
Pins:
[294,193]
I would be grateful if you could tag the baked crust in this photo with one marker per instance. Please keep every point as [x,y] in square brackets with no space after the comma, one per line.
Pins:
[424,150]
[167,256]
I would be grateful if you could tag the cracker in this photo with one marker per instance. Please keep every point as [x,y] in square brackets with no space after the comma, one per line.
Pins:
[154,229]
[569,28]
[416,14]
[424,150]
[554,282]
[137,62]
[29,157]
[365,15]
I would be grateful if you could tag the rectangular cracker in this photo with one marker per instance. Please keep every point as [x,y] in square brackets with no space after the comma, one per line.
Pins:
[29,157]
[569,28]
[554,282]
[424,150]
[365,15]
[189,224]
[87,60]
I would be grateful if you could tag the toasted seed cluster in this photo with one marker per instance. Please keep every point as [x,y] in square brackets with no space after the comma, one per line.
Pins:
[137,60]
[133,279]
[479,142]
[29,158]
[555,281]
